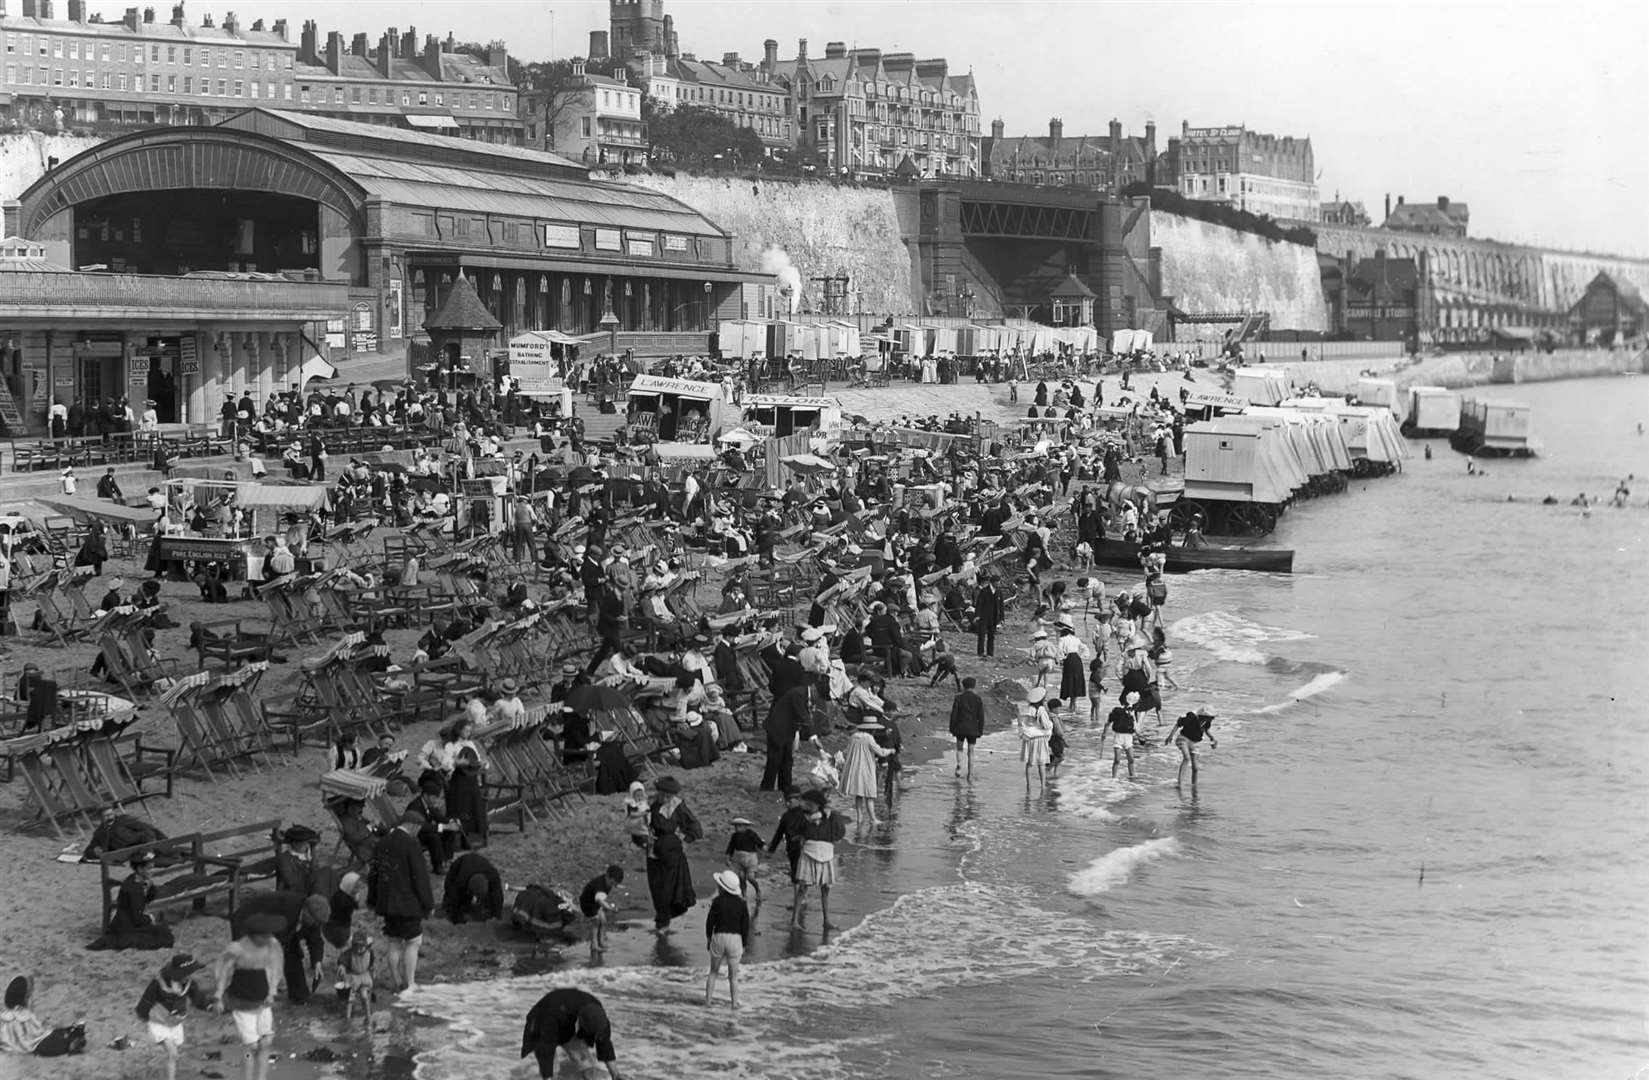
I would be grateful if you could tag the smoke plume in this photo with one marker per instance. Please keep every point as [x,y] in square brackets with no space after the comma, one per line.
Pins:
[777,263]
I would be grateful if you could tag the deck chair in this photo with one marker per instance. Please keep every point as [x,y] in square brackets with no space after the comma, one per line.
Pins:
[199,740]
[75,781]
[114,775]
[52,804]
[57,622]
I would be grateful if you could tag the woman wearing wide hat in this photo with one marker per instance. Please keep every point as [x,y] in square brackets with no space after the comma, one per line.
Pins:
[669,877]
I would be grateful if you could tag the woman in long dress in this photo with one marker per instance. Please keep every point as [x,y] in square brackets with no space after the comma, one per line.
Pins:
[859,770]
[1073,679]
[1035,728]
[669,878]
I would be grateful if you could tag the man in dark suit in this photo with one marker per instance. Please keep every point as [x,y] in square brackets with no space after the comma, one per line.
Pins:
[791,714]
[399,891]
[787,671]
[987,608]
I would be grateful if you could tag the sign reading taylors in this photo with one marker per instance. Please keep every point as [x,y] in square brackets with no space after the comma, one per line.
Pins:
[1207,399]
[657,384]
[784,401]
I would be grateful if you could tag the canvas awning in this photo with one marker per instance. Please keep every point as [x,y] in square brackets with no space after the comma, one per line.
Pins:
[315,368]
[432,122]
[808,463]
[305,497]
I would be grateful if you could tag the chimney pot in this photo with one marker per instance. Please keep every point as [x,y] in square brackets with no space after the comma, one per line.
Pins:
[599,44]
[1442,202]
[801,49]
[358,45]
[46,11]
[148,12]
[77,11]
[730,59]
[281,30]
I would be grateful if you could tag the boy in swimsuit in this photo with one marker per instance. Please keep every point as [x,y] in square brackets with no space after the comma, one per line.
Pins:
[246,975]
[1121,723]
[1186,733]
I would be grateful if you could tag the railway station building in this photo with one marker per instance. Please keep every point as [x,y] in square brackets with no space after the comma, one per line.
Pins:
[219,259]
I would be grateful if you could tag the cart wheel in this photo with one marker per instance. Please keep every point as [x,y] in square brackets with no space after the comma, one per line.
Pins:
[1180,514]
[1250,519]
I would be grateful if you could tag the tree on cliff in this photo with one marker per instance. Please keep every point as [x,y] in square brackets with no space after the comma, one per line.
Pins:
[697,138]
[558,90]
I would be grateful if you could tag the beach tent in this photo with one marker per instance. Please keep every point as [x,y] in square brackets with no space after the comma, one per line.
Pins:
[1261,386]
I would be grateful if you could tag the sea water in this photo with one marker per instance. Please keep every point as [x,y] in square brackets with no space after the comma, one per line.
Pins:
[1420,849]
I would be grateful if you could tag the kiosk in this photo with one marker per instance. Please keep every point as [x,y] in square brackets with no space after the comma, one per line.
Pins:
[238,551]
[784,414]
[683,410]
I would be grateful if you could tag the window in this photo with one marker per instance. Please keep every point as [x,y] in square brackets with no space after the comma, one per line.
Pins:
[223,58]
[584,125]
[355,95]
[240,58]
[154,54]
[489,100]
[269,91]
[154,84]
[406,98]
[105,52]
[303,94]
[57,76]
[240,88]
[440,98]
[171,54]
[188,84]
[254,87]
[11,73]
[171,84]
[43,47]
[122,78]
[74,50]
[74,77]
[188,55]
[57,49]
[337,95]
[103,82]
[205,57]
[223,88]
[11,47]
[288,92]
[423,97]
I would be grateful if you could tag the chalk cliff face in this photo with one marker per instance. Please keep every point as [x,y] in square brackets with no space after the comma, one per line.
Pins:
[23,157]
[825,230]
[1208,268]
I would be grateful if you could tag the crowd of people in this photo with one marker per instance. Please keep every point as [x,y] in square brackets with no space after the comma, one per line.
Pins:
[914,539]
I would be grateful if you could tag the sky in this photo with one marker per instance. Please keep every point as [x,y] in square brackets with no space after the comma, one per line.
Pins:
[1536,114]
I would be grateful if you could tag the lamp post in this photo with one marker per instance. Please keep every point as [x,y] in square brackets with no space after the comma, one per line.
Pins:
[609,323]
[704,324]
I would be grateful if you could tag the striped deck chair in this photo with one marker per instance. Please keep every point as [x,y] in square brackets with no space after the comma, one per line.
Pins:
[52,802]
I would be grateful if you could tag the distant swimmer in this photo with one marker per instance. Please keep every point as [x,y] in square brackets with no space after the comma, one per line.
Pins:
[1186,734]
[1580,500]
[1428,451]
[1622,492]
[1471,465]
[1550,500]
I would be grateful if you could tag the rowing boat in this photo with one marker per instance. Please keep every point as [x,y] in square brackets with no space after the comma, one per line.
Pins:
[1182,559]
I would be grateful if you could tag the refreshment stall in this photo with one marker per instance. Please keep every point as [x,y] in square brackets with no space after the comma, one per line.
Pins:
[222,522]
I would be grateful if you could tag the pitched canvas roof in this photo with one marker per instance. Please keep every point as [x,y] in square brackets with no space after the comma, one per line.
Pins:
[1072,289]
[463,310]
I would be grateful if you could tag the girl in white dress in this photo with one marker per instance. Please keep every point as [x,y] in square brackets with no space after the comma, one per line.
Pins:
[1035,728]
[859,770]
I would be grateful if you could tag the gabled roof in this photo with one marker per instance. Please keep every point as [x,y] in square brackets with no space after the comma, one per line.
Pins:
[1071,289]
[463,310]
[1630,297]
[1426,216]
[710,73]
[193,35]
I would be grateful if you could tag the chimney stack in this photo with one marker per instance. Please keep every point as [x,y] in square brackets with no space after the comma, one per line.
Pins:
[770,54]
[46,11]
[31,10]
[578,67]
[148,12]
[997,129]
[281,30]
[177,14]
[335,52]
[1150,139]
[672,41]
[409,44]
[801,49]
[1116,136]
[1443,203]
[432,56]
[77,11]
[450,45]
[386,53]
[358,46]
[1388,204]
[130,20]
[730,59]
[1056,132]
[309,43]
[207,23]
[835,50]
[599,48]
[231,24]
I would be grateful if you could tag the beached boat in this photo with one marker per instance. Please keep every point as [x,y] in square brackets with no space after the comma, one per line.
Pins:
[1181,559]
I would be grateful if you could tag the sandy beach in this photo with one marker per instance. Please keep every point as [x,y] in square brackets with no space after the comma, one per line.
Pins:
[54,909]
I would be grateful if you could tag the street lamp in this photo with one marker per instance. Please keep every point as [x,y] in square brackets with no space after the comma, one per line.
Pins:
[705,322]
[609,323]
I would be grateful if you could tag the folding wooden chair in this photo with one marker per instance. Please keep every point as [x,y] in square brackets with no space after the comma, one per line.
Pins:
[52,803]
[58,623]
[111,774]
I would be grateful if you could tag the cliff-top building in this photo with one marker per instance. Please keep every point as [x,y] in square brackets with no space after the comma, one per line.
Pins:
[1263,174]
[83,70]
[1105,163]
[1444,218]
[866,111]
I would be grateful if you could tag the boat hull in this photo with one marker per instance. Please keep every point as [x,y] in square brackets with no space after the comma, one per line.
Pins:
[1120,553]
